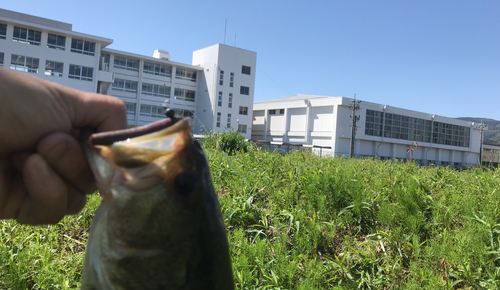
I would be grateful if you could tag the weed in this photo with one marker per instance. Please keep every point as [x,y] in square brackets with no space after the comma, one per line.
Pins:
[299,221]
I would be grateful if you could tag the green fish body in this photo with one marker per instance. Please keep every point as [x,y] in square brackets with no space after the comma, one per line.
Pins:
[159,225]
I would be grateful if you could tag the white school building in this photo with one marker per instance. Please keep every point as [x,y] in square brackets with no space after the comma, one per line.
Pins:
[216,89]
[383,131]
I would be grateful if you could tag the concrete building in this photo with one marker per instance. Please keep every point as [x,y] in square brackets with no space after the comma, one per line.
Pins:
[491,155]
[226,90]
[216,89]
[383,131]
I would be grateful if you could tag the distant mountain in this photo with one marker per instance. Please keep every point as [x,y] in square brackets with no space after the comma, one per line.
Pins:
[492,135]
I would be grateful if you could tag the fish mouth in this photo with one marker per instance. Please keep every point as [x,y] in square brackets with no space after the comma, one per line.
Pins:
[139,163]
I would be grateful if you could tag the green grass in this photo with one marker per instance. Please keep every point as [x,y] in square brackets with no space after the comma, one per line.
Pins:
[303,222]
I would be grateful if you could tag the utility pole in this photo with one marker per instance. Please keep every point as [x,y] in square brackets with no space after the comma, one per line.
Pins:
[354,106]
[481,128]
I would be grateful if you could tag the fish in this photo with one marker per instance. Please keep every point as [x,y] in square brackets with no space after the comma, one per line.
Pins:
[159,225]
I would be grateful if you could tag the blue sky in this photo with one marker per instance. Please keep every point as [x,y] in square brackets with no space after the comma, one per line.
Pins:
[439,57]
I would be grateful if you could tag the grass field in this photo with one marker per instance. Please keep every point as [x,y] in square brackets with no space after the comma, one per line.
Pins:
[303,222]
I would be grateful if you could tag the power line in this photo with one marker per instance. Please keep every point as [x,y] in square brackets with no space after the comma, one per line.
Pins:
[275,81]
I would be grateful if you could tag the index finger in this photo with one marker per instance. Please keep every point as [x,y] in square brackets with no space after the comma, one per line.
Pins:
[102,112]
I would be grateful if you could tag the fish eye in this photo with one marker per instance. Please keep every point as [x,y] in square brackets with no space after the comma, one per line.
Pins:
[185,183]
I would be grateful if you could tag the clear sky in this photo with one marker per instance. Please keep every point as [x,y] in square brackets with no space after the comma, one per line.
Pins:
[439,57]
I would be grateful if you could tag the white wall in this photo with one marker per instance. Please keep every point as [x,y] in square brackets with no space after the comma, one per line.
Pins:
[229,59]
[329,123]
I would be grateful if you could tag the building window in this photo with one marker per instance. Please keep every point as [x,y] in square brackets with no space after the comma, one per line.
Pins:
[82,46]
[244,90]
[242,128]
[157,69]
[56,41]
[231,80]
[155,90]
[53,68]
[228,125]
[28,36]
[219,101]
[80,72]
[221,77]
[245,70]
[130,107]
[125,86]
[104,63]
[126,63]
[152,111]
[184,113]
[24,63]
[448,134]
[374,123]
[243,110]
[277,112]
[218,120]
[407,128]
[182,94]
[184,74]
[410,128]
[3,31]
[230,102]
[1,58]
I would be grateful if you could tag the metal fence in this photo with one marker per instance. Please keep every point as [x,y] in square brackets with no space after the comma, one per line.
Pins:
[283,148]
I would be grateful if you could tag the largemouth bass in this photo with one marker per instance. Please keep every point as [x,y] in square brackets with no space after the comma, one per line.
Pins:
[159,225]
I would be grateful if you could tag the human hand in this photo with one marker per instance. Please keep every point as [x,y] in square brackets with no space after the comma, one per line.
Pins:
[44,174]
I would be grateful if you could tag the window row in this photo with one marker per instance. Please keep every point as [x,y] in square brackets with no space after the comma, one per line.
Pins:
[133,65]
[449,134]
[126,63]
[184,74]
[154,68]
[28,36]
[124,85]
[155,111]
[277,112]
[408,128]
[184,113]
[157,69]
[52,68]
[152,111]
[34,37]
[155,90]
[183,94]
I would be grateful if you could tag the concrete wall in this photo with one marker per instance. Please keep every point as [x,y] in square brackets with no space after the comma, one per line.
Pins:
[217,58]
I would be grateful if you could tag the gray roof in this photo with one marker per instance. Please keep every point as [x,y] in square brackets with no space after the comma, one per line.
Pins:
[294,98]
